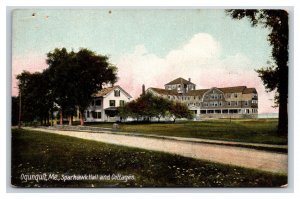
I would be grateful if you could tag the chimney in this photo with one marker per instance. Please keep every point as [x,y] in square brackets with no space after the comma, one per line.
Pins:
[143,89]
[189,79]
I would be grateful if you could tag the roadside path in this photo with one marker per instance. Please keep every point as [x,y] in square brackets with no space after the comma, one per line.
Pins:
[238,156]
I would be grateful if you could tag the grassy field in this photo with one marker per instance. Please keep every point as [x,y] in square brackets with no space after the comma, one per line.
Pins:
[61,156]
[255,131]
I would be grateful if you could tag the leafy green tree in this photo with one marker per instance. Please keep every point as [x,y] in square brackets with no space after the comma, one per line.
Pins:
[69,82]
[36,103]
[274,77]
[90,72]
[75,76]
[148,106]
[161,106]
[179,110]
[61,79]
[126,111]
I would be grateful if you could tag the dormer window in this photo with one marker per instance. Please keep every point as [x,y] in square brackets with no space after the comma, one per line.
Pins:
[117,93]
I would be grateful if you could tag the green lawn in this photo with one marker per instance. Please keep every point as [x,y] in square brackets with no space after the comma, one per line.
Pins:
[255,131]
[40,152]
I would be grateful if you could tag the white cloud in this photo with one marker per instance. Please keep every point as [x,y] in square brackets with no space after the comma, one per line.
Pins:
[198,59]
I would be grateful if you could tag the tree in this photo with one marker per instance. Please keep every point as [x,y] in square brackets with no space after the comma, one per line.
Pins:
[179,110]
[61,81]
[75,77]
[35,97]
[161,105]
[90,72]
[146,107]
[274,77]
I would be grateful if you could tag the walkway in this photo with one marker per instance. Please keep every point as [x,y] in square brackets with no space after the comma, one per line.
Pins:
[238,156]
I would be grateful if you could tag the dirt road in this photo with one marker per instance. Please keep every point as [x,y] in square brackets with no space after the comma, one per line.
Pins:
[239,156]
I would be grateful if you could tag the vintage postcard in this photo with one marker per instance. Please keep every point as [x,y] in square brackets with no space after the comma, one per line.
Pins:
[149,98]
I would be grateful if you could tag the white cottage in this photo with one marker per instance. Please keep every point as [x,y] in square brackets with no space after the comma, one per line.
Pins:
[105,103]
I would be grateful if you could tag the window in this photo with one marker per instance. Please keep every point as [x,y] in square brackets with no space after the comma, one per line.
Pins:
[215,103]
[122,103]
[88,114]
[211,103]
[228,103]
[96,115]
[203,111]
[112,102]
[220,96]
[246,103]
[235,95]
[220,103]
[117,93]
[98,102]
[254,101]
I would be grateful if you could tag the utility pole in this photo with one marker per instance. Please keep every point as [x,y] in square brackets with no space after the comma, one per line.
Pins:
[20,107]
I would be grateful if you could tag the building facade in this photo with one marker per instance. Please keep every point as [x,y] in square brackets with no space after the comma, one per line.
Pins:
[228,102]
[105,103]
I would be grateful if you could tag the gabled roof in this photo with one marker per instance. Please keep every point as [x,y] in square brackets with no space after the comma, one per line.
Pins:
[201,92]
[249,90]
[235,89]
[107,90]
[164,91]
[179,80]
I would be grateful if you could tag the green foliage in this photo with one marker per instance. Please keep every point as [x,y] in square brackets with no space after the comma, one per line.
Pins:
[35,96]
[273,77]
[148,106]
[179,110]
[90,73]
[68,83]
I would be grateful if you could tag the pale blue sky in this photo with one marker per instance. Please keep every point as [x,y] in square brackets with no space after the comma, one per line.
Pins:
[149,45]
[119,32]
